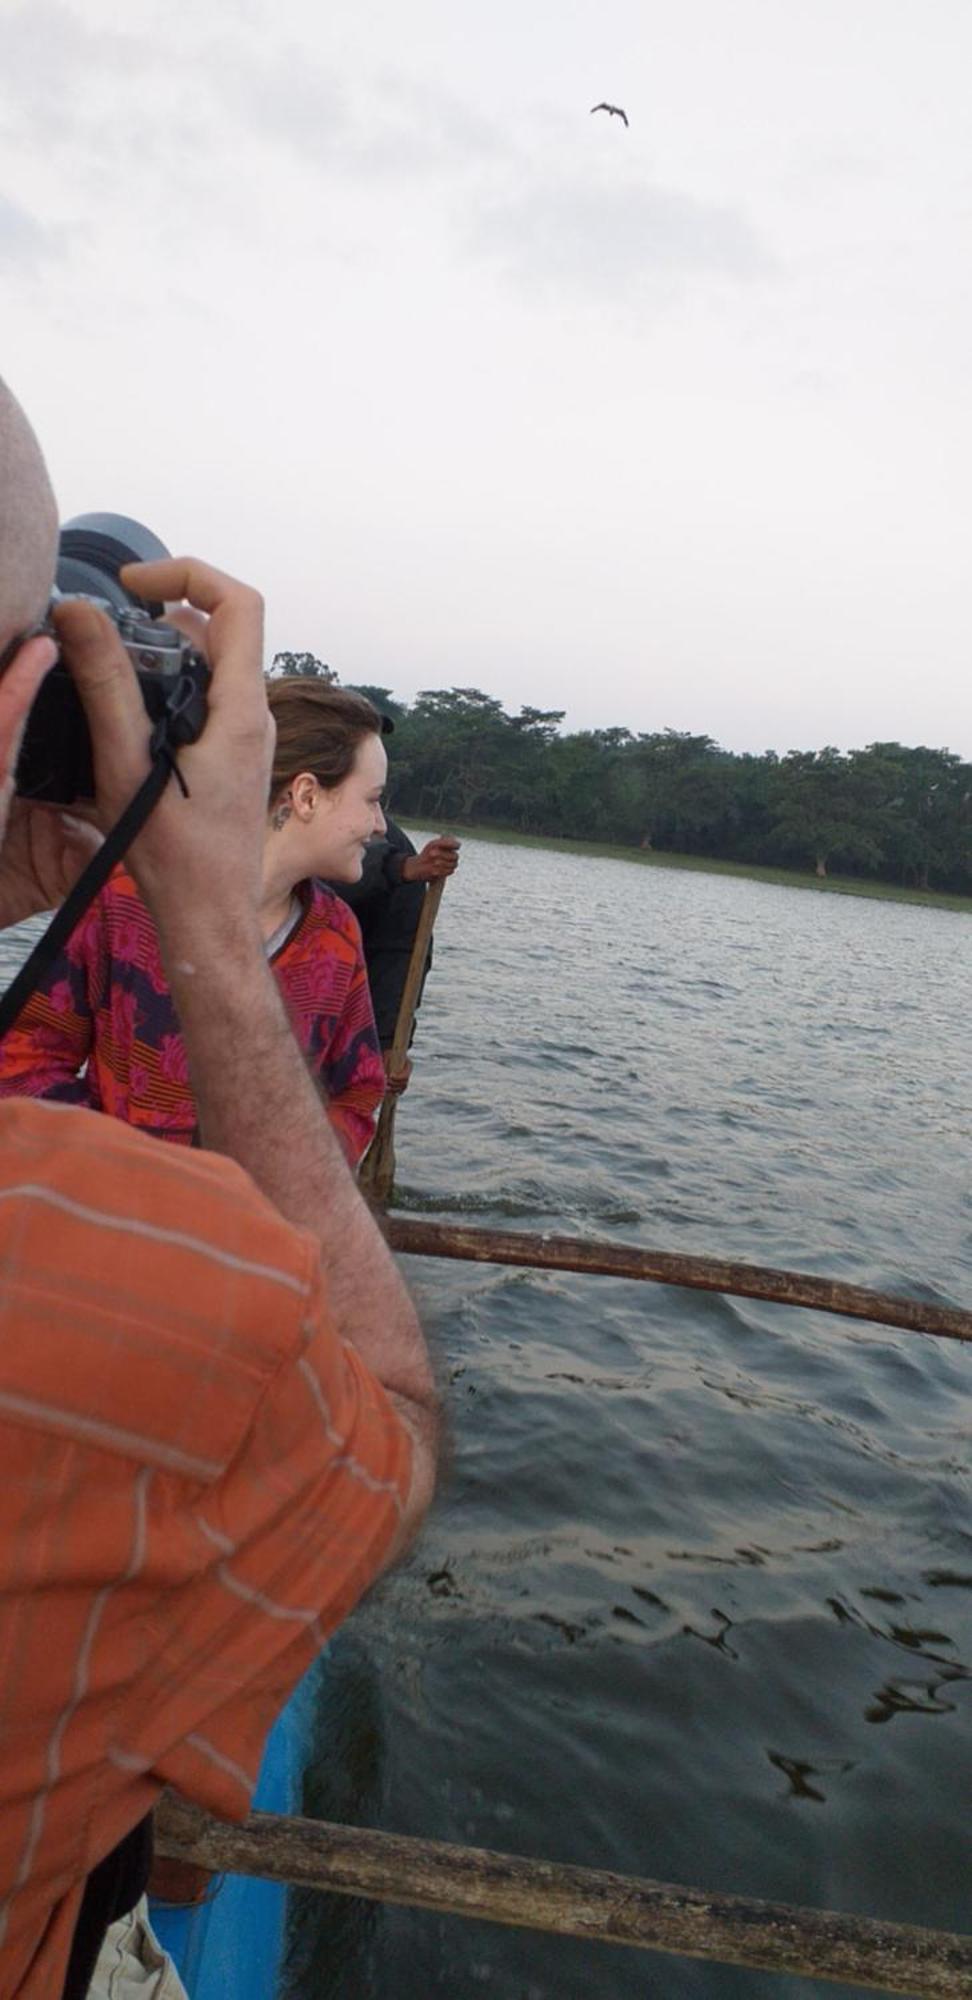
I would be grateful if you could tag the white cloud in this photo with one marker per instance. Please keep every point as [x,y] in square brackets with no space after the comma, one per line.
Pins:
[51,60]
[617,241]
[26,243]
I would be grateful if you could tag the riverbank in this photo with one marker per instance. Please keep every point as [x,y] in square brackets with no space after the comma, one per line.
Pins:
[787,878]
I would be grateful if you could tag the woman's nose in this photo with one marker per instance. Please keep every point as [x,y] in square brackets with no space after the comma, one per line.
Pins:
[379,820]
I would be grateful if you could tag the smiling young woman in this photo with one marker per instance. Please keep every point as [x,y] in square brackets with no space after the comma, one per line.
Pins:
[102,1030]
[329,772]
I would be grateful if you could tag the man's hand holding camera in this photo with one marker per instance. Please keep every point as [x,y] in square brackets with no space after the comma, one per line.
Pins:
[42,856]
[43,851]
[199,854]
[197,851]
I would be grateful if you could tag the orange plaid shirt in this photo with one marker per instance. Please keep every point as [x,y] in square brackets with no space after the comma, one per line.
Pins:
[199,1480]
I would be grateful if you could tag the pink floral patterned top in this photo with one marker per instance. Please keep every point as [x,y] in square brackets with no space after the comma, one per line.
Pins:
[102,1031]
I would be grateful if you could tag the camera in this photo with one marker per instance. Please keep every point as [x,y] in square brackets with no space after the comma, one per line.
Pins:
[55,762]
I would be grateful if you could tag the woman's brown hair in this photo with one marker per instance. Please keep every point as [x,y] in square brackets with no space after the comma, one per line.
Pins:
[319,727]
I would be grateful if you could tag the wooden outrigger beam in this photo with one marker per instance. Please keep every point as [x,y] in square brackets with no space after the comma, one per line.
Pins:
[666,1267]
[573,1902]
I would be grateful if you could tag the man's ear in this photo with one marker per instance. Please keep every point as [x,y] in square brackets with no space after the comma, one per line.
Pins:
[18,688]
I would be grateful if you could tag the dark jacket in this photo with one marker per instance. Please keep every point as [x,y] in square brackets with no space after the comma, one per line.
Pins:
[388,911]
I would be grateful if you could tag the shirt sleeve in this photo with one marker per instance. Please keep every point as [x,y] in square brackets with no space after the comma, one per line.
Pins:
[289,1541]
[45,1052]
[200,1479]
[395,861]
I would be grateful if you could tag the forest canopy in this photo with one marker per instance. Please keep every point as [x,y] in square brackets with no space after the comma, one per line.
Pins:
[888,811]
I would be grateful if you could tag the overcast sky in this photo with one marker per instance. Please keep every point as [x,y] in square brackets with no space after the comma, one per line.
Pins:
[666,426]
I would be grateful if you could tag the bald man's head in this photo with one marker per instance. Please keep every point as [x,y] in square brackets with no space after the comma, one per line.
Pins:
[28,523]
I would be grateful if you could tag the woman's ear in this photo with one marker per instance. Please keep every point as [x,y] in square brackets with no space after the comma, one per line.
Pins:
[305,792]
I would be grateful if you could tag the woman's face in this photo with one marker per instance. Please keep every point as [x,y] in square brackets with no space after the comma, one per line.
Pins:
[349,814]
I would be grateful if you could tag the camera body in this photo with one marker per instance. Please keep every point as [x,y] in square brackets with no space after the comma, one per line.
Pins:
[55,764]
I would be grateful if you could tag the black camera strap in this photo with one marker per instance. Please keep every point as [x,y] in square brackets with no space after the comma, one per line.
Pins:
[113,849]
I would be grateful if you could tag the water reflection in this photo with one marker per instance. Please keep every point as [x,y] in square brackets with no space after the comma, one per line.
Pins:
[799,1773]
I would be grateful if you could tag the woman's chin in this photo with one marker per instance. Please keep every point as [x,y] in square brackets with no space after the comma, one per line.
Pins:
[350,869]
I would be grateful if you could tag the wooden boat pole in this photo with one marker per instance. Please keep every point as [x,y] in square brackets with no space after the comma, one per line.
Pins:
[573,1902]
[418,1238]
[378,1168]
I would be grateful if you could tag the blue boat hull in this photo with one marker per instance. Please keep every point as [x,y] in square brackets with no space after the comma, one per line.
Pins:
[231,1946]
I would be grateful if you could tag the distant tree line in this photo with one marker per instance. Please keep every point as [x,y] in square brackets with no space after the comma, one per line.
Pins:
[897,814]
[307,664]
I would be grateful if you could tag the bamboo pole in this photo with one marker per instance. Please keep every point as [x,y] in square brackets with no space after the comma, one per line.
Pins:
[573,1902]
[378,1167]
[418,1238]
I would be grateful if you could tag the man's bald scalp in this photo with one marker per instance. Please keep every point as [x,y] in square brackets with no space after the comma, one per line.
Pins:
[28,523]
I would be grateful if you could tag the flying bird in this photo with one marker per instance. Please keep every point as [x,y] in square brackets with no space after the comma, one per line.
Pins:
[614,110]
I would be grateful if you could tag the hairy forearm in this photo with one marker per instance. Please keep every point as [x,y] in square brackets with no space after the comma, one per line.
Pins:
[257,1103]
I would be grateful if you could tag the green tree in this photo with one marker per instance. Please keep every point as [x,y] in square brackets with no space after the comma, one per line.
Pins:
[678,800]
[926,811]
[382,699]
[818,813]
[521,790]
[577,781]
[302,663]
[449,762]
[754,802]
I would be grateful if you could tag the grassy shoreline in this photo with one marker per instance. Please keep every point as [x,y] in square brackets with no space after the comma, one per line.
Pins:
[786,878]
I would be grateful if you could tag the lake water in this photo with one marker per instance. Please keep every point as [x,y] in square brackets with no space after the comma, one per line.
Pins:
[696,1598]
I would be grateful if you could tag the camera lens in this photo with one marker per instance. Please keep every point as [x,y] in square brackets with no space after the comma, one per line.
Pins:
[91,551]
